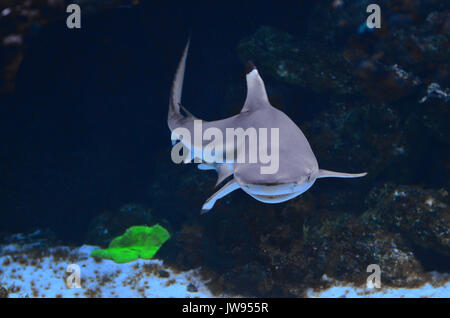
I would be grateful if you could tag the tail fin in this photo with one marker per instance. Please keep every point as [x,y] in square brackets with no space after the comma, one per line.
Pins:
[332,174]
[175,93]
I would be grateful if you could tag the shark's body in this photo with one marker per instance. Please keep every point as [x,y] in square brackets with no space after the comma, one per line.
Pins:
[298,167]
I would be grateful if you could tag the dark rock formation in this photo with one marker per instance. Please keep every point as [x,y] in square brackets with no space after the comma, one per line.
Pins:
[296,62]
[109,225]
[418,214]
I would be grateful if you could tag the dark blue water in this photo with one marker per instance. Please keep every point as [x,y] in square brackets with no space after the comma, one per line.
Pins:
[89,111]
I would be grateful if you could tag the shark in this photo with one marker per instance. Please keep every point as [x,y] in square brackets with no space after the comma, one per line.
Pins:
[298,167]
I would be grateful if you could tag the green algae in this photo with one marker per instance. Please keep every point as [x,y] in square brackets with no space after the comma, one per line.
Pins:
[137,242]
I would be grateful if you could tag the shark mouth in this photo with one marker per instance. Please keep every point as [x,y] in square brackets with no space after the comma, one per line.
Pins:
[274,198]
[276,193]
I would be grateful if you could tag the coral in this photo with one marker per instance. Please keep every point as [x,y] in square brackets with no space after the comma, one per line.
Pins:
[137,242]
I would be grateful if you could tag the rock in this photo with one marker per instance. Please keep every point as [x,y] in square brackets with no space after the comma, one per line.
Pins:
[399,265]
[3,292]
[163,274]
[421,215]
[435,112]
[387,140]
[434,90]
[264,251]
[412,41]
[341,247]
[191,288]
[108,225]
[292,61]
[40,238]
[362,137]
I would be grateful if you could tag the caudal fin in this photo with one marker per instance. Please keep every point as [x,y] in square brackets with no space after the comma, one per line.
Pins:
[175,93]
[332,174]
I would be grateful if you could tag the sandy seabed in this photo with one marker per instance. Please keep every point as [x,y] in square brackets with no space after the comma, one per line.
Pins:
[33,271]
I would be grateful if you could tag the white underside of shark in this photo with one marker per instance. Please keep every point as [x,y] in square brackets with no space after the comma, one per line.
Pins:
[298,167]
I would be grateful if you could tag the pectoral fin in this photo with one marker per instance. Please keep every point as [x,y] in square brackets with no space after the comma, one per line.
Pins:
[229,187]
[332,174]
[223,170]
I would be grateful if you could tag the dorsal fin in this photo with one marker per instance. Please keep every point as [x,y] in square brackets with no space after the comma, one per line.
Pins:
[256,91]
